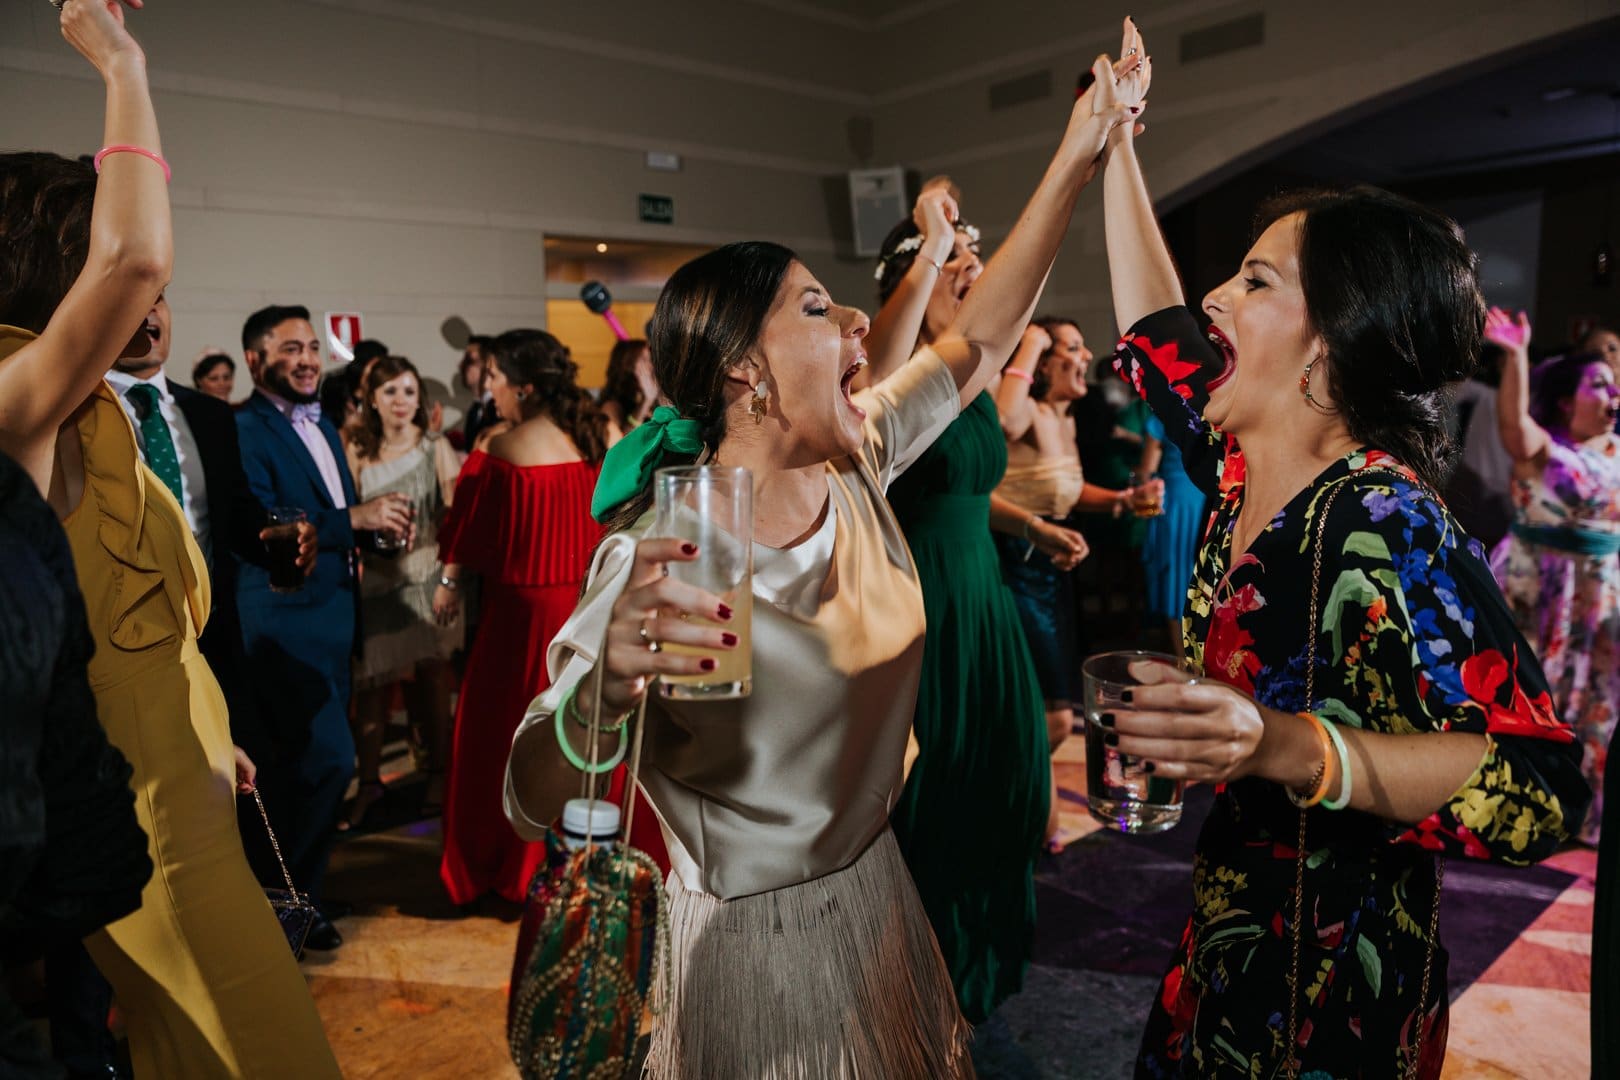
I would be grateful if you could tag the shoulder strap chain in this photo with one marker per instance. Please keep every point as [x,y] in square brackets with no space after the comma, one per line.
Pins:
[1292,1047]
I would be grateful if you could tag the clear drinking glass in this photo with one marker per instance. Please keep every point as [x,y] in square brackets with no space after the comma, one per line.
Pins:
[1120,793]
[713,507]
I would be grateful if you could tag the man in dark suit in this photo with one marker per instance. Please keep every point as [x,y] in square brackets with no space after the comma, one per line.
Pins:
[189,440]
[299,644]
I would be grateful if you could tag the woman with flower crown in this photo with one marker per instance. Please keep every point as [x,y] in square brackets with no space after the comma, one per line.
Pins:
[800,948]
[982,780]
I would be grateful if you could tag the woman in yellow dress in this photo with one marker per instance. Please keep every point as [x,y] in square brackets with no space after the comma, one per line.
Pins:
[202,972]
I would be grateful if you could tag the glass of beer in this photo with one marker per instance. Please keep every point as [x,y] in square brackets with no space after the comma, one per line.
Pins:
[713,507]
[1119,792]
[1146,501]
[281,545]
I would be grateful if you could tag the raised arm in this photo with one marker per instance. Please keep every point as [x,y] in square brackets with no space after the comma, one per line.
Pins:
[1139,264]
[1015,405]
[128,263]
[893,334]
[987,326]
[1522,437]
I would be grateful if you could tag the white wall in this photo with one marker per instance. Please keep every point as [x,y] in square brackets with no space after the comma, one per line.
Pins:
[406,158]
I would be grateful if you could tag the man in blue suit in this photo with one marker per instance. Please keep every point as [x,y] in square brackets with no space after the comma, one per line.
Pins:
[299,644]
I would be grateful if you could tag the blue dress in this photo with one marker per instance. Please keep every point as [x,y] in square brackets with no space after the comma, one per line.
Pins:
[1172,537]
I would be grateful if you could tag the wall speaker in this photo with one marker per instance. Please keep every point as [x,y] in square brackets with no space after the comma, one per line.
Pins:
[877,201]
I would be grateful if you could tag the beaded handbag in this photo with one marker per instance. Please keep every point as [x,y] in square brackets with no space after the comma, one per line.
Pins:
[593,938]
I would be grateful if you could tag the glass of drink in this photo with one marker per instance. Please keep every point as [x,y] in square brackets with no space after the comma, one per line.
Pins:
[388,542]
[281,544]
[1146,501]
[1121,794]
[713,507]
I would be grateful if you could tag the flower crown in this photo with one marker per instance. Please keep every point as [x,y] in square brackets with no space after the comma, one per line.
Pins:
[914,243]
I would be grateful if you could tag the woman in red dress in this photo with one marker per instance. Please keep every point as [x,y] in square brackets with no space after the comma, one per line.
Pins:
[522,520]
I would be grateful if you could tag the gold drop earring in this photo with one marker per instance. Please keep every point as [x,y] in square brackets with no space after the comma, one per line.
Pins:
[757,405]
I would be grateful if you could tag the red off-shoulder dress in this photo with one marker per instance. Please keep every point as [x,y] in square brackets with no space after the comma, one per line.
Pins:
[528,531]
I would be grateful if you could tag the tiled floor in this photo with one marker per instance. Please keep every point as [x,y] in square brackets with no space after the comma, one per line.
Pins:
[420,989]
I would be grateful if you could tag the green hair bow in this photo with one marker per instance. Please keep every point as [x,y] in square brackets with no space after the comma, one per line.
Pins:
[629,466]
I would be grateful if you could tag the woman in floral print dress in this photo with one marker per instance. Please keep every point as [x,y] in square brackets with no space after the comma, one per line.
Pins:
[1557,566]
[1453,745]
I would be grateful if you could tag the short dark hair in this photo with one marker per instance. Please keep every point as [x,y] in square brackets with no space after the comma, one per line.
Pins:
[207,363]
[45,206]
[1393,291]
[366,351]
[261,322]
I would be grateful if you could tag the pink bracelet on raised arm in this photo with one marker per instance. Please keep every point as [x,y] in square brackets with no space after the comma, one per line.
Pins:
[168,174]
[1019,373]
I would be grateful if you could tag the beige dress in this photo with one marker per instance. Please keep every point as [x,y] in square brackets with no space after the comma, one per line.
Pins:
[801,949]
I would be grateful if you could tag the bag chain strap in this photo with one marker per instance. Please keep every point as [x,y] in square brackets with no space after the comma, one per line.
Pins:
[1299,861]
[275,845]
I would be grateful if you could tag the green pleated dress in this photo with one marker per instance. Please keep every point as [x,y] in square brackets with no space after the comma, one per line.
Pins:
[973,814]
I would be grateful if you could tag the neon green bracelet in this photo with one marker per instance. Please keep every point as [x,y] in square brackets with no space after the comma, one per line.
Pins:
[571,706]
[573,756]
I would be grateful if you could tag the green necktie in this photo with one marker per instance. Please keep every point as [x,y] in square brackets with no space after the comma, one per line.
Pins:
[160,455]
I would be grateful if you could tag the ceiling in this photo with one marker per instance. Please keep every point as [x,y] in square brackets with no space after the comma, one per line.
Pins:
[1556,102]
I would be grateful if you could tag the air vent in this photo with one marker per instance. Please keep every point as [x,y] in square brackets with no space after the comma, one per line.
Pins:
[1222,38]
[1035,86]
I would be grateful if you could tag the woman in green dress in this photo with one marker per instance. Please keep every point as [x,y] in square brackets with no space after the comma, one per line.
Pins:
[974,811]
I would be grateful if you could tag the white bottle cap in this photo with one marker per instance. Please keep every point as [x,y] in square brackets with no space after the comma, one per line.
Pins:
[589,819]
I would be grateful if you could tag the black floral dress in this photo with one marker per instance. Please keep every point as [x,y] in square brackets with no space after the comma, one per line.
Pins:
[1413,637]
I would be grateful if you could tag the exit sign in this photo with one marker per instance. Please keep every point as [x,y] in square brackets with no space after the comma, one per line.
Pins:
[659,209]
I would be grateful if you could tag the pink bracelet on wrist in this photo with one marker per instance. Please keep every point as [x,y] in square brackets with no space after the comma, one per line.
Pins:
[168,174]
[1019,373]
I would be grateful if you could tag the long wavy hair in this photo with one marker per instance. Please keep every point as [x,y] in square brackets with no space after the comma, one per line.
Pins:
[621,386]
[367,434]
[538,361]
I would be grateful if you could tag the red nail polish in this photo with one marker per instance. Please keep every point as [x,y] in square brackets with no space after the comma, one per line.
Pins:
[728,640]
[725,613]
[688,549]
[706,664]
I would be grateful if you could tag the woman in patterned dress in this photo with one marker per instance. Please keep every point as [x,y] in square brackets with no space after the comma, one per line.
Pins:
[1311,412]
[1557,565]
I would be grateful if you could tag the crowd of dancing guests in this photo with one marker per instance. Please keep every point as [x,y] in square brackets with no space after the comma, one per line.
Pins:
[201,718]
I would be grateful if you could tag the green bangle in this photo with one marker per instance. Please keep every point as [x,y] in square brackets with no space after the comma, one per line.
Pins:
[573,756]
[1344,768]
[570,705]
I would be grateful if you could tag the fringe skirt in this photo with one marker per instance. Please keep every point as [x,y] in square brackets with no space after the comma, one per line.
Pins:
[838,978]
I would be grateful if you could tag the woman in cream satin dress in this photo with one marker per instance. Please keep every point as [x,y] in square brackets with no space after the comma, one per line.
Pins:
[800,947]
[202,973]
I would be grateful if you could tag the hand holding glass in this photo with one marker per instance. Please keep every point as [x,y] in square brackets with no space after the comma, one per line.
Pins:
[281,545]
[713,507]
[1120,792]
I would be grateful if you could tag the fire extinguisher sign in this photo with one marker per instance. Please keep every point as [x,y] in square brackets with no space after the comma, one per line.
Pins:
[342,332]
